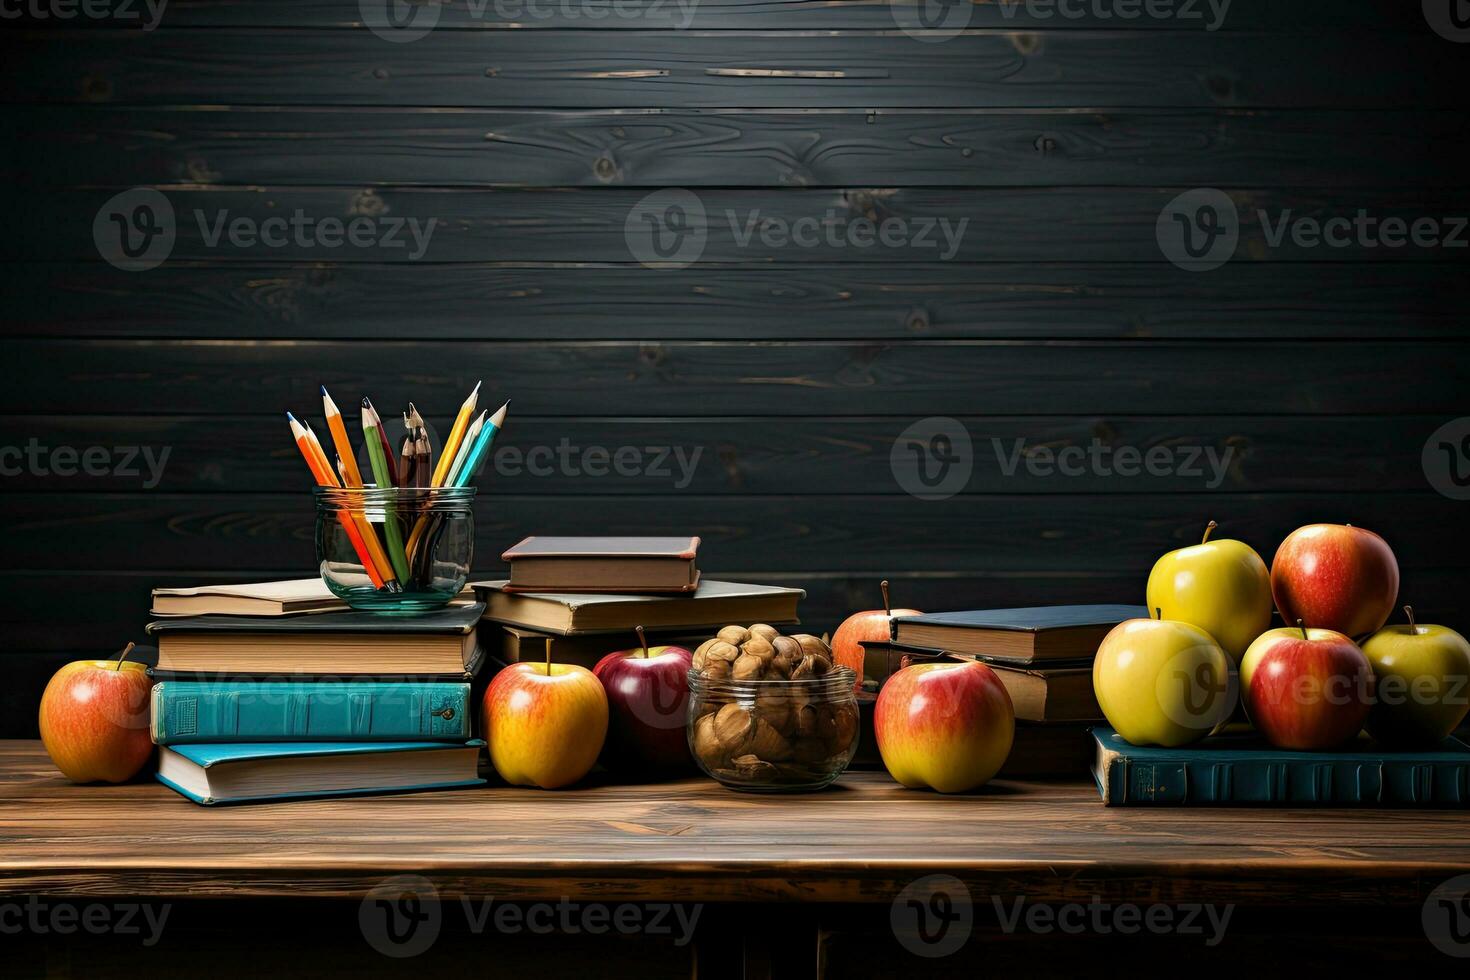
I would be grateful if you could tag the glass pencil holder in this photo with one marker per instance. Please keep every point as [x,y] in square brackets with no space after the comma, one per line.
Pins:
[396,550]
[776,736]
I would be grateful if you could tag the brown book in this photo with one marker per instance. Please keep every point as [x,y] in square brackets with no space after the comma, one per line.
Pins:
[543,563]
[518,645]
[1019,635]
[439,643]
[1050,752]
[713,604]
[304,595]
[1054,693]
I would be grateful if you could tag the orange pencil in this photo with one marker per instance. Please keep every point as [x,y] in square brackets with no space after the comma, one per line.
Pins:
[324,478]
[364,526]
[350,474]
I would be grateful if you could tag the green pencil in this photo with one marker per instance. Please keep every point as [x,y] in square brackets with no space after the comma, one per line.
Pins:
[372,430]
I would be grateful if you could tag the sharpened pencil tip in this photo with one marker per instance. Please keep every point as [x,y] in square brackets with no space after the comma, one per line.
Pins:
[324,391]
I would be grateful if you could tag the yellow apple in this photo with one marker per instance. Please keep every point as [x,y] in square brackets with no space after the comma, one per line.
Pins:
[1223,587]
[1162,682]
[545,723]
[1423,682]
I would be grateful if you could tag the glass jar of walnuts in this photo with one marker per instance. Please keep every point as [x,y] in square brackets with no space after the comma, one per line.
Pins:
[771,713]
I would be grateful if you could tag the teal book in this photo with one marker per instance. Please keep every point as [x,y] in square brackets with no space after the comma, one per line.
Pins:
[308,711]
[1245,771]
[211,774]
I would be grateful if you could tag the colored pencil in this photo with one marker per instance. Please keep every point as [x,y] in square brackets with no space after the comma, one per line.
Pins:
[351,476]
[325,479]
[465,444]
[477,455]
[456,435]
[377,443]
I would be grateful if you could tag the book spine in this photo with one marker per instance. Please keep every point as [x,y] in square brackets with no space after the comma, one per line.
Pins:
[188,712]
[1132,782]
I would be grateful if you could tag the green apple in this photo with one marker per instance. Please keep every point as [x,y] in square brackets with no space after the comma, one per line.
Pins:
[1223,587]
[1423,682]
[1163,682]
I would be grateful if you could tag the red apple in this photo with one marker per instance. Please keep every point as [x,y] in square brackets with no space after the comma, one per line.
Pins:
[545,723]
[946,726]
[648,705]
[94,719]
[871,624]
[1306,689]
[1336,577]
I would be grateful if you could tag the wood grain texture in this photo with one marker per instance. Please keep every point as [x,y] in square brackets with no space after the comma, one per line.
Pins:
[694,841]
[918,225]
[1083,533]
[1305,16]
[797,457]
[722,378]
[95,146]
[574,301]
[688,69]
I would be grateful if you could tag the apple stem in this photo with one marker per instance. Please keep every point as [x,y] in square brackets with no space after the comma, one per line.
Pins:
[642,639]
[1413,627]
[1303,628]
[1159,611]
[1209,530]
[548,656]
[887,606]
[124,655]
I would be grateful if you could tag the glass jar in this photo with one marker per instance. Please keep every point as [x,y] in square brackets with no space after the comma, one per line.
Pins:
[774,736]
[396,550]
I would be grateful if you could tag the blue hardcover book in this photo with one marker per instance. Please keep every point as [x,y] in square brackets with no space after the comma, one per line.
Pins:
[191,712]
[1245,771]
[210,774]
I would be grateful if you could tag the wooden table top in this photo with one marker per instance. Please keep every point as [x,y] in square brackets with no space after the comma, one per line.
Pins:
[861,841]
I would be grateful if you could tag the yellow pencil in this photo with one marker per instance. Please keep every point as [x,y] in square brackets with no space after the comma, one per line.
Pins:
[364,526]
[456,433]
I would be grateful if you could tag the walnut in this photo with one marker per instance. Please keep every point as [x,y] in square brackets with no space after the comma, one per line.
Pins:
[734,635]
[760,647]
[765,632]
[733,728]
[747,668]
[768,743]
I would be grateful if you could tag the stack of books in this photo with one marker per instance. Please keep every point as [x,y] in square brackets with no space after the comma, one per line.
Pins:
[274,690]
[1043,655]
[578,599]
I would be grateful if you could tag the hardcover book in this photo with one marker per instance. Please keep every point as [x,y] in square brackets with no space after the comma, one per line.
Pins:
[232,773]
[1022,635]
[712,604]
[269,711]
[1244,770]
[306,595]
[543,563]
[1059,691]
[436,643]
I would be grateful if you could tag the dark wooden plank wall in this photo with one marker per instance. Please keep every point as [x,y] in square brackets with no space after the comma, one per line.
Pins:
[531,132]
